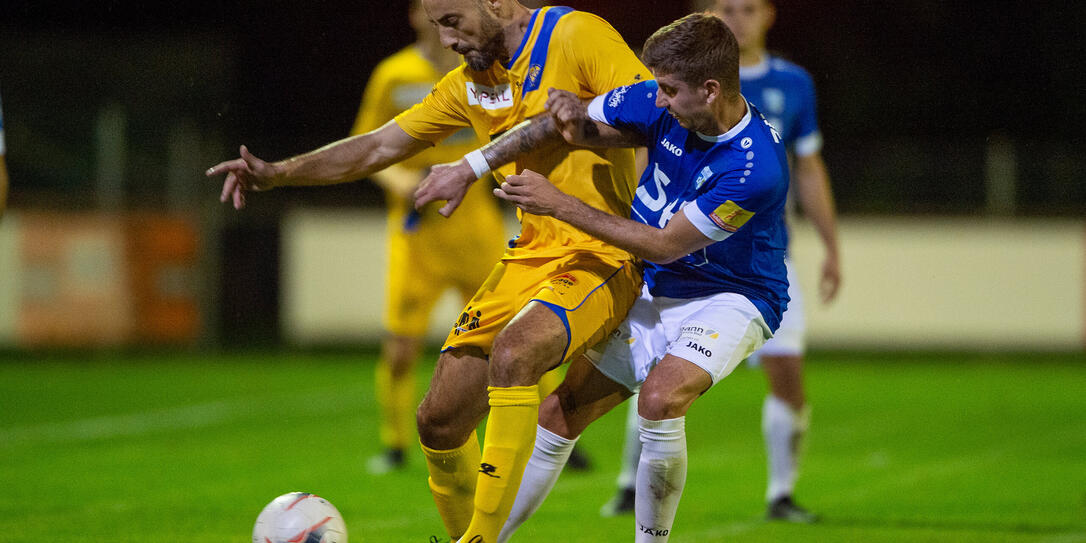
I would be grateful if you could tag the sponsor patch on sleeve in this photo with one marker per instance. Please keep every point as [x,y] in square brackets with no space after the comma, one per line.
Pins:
[729,216]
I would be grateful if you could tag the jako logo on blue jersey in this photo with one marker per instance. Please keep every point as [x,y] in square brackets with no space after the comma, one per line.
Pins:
[675,150]
[617,95]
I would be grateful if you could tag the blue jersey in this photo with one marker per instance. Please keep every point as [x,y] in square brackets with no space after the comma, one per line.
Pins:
[785,94]
[732,187]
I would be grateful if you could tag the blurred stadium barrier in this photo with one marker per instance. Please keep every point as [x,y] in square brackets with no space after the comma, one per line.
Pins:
[333,278]
[951,283]
[92,280]
[909,283]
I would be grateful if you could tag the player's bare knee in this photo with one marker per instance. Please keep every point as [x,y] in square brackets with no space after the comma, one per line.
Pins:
[400,354]
[783,366]
[530,345]
[399,363]
[438,426]
[785,376]
[426,422]
[660,404]
[520,363]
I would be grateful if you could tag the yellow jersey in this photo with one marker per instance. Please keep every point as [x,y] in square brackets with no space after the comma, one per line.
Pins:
[564,49]
[397,83]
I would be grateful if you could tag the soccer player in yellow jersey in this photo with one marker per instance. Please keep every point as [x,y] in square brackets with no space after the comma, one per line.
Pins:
[555,292]
[427,254]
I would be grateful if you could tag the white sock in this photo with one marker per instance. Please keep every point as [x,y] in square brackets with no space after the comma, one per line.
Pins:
[631,447]
[545,465]
[783,429]
[661,475]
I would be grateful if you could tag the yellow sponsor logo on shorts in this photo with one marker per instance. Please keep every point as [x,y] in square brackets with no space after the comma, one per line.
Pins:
[729,216]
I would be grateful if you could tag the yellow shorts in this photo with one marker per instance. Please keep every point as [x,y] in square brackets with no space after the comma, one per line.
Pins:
[424,263]
[591,293]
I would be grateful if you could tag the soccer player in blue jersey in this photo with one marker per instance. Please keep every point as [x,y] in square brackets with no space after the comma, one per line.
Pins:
[708,221]
[785,94]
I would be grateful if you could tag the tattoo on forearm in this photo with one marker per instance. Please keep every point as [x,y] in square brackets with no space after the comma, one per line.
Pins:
[527,136]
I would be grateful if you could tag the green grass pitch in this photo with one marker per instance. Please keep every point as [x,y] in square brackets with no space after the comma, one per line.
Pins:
[187,448]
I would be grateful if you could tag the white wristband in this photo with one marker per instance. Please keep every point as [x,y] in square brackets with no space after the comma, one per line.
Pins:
[478,163]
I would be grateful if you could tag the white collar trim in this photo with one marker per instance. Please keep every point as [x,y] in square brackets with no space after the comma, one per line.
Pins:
[742,124]
[756,71]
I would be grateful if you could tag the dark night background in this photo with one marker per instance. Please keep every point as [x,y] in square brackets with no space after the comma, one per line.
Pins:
[910,92]
[916,97]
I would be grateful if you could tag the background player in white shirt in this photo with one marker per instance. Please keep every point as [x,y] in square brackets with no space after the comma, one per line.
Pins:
[785,94]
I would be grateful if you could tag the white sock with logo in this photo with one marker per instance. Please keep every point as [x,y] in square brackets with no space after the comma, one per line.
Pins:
[661,475]
[545,465]
[783,429]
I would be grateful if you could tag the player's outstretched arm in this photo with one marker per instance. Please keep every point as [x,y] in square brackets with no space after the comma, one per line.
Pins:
[534,194]
[346,160]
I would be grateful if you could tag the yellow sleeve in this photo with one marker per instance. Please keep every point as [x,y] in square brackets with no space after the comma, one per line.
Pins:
[377,108]
[604,60]
[441,113]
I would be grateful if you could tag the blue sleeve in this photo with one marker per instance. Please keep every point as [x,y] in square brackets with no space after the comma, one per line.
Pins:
[632,107]
[806,139]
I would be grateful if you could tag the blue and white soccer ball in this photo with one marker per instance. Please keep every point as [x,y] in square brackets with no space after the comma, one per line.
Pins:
[300,517]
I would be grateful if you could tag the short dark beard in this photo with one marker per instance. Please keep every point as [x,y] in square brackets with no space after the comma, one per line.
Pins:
[493,49]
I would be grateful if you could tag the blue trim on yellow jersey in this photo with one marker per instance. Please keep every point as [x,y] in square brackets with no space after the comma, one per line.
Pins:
[561,312]
[524,40]
[539,51]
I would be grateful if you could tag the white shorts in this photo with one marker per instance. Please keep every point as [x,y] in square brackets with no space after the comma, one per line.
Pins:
[790,337]
[714,333]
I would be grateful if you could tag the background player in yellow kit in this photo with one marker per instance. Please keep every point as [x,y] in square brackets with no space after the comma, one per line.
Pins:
[427,254]
[556,291]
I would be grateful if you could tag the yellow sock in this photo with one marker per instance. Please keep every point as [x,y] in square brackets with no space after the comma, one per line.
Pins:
[396,407]
[549,382]
[452,482]
[510,437]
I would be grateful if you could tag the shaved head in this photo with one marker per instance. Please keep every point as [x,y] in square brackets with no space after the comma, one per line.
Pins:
[471,28]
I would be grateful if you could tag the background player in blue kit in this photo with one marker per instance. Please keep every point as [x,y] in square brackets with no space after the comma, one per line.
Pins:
[707,219]
[785,94]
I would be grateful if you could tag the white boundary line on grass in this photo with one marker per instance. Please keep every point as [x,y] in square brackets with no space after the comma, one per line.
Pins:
[191,416]
[179,418]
